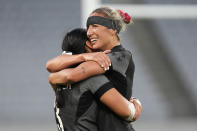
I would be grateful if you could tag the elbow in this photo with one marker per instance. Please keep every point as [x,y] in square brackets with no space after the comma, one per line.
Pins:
[50,66]
[50,79]
[57,79]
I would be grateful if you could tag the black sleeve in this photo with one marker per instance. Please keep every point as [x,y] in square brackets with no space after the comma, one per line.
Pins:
[103,89]
[98,85]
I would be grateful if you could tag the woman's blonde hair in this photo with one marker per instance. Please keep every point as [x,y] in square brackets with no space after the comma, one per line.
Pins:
[114,15]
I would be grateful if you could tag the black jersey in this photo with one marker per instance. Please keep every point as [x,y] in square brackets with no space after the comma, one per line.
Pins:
[79,110]
[122,70]
[121,75]
[82,111]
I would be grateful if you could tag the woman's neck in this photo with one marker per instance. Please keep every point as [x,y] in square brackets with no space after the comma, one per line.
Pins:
[111,45]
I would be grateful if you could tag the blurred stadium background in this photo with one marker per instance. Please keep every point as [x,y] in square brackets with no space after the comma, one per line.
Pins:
[164,51]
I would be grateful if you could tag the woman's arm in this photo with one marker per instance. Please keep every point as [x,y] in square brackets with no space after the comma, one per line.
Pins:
[112,98]
[120,105]
[116,102]
[64,61]
[73,75]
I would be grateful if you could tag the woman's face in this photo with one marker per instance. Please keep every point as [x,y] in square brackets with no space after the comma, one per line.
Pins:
[100,36]
[89,47]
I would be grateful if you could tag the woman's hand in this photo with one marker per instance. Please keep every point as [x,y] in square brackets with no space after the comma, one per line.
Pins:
[100,57]
[138,108]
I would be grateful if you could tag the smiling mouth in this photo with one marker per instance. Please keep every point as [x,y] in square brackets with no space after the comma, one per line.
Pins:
[93,41]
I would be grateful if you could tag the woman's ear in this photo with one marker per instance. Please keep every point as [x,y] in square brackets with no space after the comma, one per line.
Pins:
[113,32]
[88,44]
[88,47]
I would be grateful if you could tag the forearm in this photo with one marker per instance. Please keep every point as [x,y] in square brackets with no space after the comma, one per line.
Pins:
[116,102]
[61,77]
[84,71]
[73,75]
[128,110]
[63,61]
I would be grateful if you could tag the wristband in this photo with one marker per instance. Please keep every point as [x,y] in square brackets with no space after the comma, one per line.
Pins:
[132,110]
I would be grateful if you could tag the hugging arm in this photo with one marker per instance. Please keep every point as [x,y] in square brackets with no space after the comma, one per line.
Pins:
[112,98]
[64,61]
[120,105]
[116,102]
[73,75]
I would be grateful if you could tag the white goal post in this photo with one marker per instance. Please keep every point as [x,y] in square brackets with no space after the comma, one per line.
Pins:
[143,11]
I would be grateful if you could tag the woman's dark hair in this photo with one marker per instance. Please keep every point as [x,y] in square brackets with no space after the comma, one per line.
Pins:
[74,41]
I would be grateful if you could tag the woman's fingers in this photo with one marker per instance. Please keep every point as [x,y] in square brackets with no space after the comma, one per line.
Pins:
[107,51]
[106,61]
[100,57]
